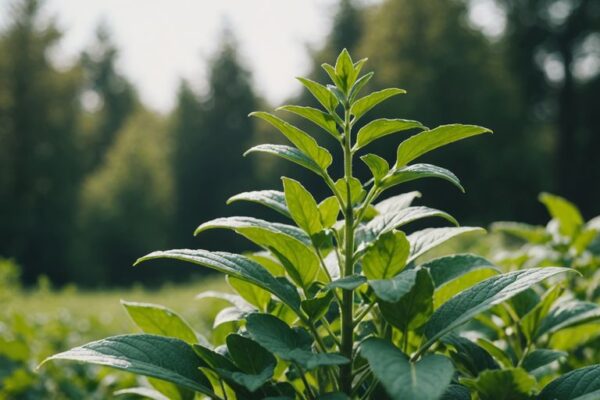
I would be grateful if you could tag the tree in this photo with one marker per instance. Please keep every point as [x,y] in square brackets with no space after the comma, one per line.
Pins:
[39,169]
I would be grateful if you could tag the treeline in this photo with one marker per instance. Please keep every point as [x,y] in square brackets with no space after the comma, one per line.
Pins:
[90,178]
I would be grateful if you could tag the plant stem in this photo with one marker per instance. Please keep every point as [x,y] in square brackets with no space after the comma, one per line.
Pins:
[347,309]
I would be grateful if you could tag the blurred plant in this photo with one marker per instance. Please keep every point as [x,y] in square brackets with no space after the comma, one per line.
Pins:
[341,308]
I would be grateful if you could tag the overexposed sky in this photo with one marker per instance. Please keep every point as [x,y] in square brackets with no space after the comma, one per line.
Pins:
[163,40]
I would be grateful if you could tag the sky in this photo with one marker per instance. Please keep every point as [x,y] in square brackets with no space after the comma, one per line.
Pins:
[161,41]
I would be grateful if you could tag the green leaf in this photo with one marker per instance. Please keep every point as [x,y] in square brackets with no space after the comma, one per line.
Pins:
[364,104]
[456,392]
[289,153]
[287,343]
[498,353]
[573,385]
[427,239]
[429,140]
[393,289]
[505,384]
[382,127]
[334,78]
[349,283]
[359,85]
[329,209]
[321,93]
[302,140]
[396,203]
[159,320]
[472,357]
[214,359]
[445,269]
[318,117]
[426,379]
[568,216]
[316,307]
[386,222]
[419,171]
[172,391]
[530,233]
[160,357]
[357,193]
[379,167]
[415,307]
[253,294]
[236,265]
[481,297]
[530,322]
[302,206]
[387,256]
[141,391]
[450,289]
[290,244]
[566,314]
[344,69]
[541,357]
[256,363]
[273,199]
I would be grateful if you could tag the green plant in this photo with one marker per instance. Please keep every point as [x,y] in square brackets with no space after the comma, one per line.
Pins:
[336,308]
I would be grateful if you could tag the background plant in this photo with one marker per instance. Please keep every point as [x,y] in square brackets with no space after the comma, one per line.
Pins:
[342,308]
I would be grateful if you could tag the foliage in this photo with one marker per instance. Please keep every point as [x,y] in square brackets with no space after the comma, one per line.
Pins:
[346,308]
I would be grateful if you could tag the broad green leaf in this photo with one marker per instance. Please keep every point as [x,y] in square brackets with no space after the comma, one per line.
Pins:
[566,314]
[256,363]
[387,256]
[568,216]
[321,93]
[386,222]
[396,203]
[530,233]
[419,171]
[415,307]
[253,294]
[288,243]
[160,357]
[141,391]
[287,343]
[364,104]
[448,268]
[470,356]
[349,283]
[236,265]
[357,193]
[541,357]
[213,359]
[302,206]
[481,297]
[573,385]
[289,153]
[424,142]
[379,167]
[318,117]
[273,199]
[302,140]
[505,384]
[391,290]
[159,320]
[427,239]
[329,209]
[316,307]
[382,127]
[450,289]
[427,379]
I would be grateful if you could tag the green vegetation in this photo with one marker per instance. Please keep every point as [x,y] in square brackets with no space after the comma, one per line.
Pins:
[351,308]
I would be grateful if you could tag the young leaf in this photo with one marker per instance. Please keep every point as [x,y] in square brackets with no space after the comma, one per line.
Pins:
[287,343]
[426,379]
[357,193]
[364,104]
[235,265]
[160,357]
[481,297]
[329,209]
[387,256]
[426,239]
[318,117]
[321,93]
[359,85]
[506,384]
[344,70]
[574,385]
[302,140]
[568,216]
[419,171]
[316,307]
[289,153]
[424,142]
[302,206]
[273,199]
[159,320]
[379,167]
[383,127]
